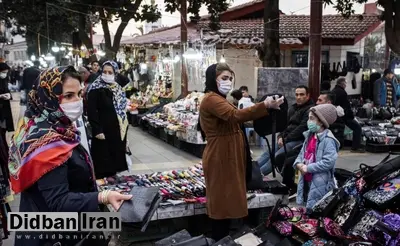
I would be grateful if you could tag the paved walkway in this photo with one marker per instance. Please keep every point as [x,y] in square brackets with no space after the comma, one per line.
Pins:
[150,154]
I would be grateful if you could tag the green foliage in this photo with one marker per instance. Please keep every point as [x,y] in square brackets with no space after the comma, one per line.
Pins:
[345,7]
[214,9]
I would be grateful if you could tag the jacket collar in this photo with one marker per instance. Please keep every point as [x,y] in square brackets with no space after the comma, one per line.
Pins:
[322,135]
[308,103]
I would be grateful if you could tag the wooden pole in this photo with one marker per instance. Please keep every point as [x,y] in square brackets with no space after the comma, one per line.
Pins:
[314,61]
[184,39]
[38,44]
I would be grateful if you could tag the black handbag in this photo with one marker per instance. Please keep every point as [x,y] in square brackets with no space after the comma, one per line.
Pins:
[256,182]
[379,173]
[328,203]
[178,237]
[196,241]
[226,241]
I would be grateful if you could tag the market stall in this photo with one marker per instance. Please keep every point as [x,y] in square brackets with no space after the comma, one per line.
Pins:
[176,124]
[183,201]
[380,128]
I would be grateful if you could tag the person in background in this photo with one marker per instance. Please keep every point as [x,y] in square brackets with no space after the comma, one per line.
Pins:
[106,107]
[348,118]
[236,95]
[6,118]
[29,80]
[385,90]
[337,127]
[121,79]
[168,93]
[227,154]
[318,156]
[325,86]
[245,92]
[48,166]
[95,73]
[292,136]
[84,73]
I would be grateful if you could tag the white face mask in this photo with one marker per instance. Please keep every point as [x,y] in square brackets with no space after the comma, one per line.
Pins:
[224,87]
[108,78]
[73,110]
[3,75]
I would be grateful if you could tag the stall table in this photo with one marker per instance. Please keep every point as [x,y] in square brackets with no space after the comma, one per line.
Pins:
[170,219]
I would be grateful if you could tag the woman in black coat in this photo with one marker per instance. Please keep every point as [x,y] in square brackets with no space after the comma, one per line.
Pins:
[107,116]
[6,118]
[47,164]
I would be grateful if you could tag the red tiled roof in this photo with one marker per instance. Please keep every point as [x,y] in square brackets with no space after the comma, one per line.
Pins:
[298,26]
[168,35]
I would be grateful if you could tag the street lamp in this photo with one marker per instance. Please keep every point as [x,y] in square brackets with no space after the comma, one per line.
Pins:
[49,57]
[55,48]
[33,58]
[62,48]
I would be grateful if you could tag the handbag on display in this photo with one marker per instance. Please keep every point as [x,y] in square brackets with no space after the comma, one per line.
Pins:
[307,227]
[316,242]
[365,225]
[283,227]
[328,203]
[385,196]
[378,173]
[273,216]
[226,241]
[346,212]
[196,241]
[178,237]
[391,227]
[293,214]
[333,229]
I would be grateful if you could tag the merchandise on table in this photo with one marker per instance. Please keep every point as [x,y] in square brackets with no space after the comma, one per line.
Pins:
[180,118]
[365,209]
[186,185]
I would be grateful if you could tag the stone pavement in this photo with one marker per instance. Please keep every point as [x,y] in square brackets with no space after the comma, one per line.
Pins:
[150,154]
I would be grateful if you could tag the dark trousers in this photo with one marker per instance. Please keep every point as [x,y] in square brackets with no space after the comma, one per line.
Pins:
[357,132]
[285,165]
[220,228]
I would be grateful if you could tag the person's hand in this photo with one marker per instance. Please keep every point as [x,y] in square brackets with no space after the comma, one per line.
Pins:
[113,198]
[273,102]
[100,136]
[300,168]
[116,199]
[280,142]
[303,169]
[6,96]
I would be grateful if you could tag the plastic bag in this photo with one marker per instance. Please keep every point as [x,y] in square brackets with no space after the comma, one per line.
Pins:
[129,161]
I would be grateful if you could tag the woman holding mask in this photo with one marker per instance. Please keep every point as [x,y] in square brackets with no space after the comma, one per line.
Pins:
[48,166]
[107,106]
[227,153]
[6,118]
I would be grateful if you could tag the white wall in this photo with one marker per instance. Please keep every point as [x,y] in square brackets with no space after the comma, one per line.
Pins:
[18,53]
[243,62]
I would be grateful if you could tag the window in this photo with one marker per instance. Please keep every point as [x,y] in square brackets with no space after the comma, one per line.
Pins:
[352,58]
[300,58]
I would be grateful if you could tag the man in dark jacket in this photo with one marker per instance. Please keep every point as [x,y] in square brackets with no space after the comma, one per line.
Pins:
[293,134]
[385,90]
[95,66]
[337,128]
[348,118]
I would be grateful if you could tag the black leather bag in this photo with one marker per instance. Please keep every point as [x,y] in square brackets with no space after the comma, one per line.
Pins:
[196,241]
[263,126]
[379,173]
[142,206]
[178,237]
[256,182]
[226,241]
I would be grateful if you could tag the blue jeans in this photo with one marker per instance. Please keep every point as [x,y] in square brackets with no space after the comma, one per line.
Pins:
[264,162]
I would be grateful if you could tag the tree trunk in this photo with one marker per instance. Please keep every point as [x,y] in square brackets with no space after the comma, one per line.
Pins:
[107,36]
[83,35]
[272,53]
[392,24]
[118,35]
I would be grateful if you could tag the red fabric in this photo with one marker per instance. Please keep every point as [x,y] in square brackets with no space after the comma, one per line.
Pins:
[39,165]
[309,155]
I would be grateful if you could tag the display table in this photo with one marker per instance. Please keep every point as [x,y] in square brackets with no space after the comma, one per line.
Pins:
[168,220]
